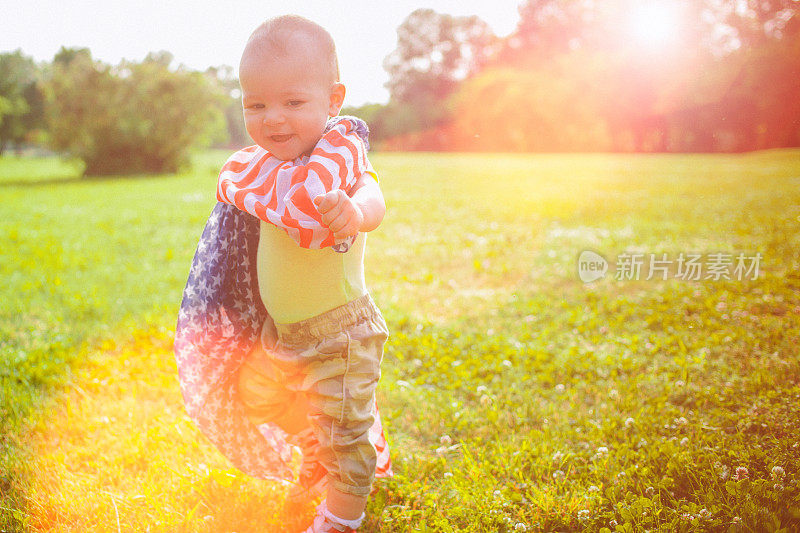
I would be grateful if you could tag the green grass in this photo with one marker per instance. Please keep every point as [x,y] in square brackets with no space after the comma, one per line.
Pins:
[515,396]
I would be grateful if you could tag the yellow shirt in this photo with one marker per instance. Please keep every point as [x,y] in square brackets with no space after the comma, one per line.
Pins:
[298,283]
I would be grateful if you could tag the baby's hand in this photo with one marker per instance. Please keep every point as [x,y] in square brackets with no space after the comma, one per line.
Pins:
[339,213]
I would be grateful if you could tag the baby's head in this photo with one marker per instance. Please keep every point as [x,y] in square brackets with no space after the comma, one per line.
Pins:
[290,85]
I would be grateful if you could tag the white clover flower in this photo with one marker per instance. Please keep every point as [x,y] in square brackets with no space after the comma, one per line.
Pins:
[497,494]
[446,440]
[680,383]
[593,488]
[583,514]
[417,362]
[736,520]
[681,421]
[613,394]
[557,457]
[481,389]
[448,474]
[687,517]
[777,473]
[601,452]
[486,399]
[612,524]
[560,387]
[778,487]
[506,363]
[741,473]
[520,527]
[685,441]
[629,422]
[642,443]
[559,475]
[704,513]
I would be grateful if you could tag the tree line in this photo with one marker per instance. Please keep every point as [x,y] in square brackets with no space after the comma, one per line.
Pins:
[572,78]
[129,118]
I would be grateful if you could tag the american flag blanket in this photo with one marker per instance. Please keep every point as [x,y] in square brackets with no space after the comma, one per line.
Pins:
[282,192]
[219,321]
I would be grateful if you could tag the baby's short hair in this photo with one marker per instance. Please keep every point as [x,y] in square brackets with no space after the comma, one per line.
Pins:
[275,35]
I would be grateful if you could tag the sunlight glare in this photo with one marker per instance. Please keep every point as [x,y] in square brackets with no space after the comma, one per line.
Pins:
[655,24]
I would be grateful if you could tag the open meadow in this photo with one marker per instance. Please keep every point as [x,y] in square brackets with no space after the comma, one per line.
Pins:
[516,397]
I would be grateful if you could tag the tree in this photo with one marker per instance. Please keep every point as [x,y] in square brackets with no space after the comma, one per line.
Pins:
[752,23]
[747,100]
[21,101]
[131,118]
[228,85]
[435,53]
[532,110]
[550,27]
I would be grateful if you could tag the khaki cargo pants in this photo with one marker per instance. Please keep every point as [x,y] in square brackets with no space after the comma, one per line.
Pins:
[322,371]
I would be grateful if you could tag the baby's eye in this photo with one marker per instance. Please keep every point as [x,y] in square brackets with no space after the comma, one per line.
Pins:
[295,103]
[254,106]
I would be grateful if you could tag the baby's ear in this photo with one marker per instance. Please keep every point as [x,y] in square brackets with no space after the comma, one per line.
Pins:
[337,99]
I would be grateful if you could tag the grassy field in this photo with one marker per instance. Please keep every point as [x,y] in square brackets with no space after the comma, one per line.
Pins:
[516,397]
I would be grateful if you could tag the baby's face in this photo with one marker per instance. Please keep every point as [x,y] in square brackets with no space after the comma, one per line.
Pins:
[287,100]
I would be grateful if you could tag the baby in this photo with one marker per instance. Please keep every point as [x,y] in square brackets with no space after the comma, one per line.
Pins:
[308,180]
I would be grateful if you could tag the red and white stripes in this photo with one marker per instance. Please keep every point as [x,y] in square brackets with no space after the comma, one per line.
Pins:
[282,192]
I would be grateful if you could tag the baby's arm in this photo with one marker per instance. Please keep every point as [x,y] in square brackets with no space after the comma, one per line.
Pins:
[346,216]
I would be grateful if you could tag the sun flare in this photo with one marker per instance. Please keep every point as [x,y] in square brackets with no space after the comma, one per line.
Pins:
[655,24]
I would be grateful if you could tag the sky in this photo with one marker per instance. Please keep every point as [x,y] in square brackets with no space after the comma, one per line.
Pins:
[203,33]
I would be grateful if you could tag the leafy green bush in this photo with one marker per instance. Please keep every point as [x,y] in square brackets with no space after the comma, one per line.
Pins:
[132,118]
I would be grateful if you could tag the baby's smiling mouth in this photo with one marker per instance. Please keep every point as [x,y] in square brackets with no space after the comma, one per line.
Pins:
[281,138]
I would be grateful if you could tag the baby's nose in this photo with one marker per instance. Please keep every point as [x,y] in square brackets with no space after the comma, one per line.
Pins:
[273,115]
